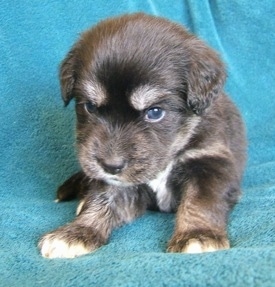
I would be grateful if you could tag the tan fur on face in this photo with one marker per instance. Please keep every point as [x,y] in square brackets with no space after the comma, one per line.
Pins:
[94,92]
[146,96]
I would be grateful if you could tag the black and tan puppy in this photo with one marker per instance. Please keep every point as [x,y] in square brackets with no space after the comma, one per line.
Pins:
[154,130]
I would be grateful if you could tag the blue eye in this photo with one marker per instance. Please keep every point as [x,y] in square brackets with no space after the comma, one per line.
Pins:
[154,114]
[90,107]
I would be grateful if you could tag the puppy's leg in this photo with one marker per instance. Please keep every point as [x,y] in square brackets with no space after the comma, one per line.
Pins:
[210,191]
[102,211]
[74,187]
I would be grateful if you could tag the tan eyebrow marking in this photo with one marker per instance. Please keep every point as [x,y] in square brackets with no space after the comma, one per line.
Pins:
[145,96]
[95,93]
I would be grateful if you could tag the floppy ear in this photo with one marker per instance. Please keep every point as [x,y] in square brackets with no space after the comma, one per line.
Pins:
[67,76]
[205,78]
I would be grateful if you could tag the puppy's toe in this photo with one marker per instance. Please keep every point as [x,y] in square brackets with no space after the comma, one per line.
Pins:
[54,247]
[200,244]
[79,207]
[196,246]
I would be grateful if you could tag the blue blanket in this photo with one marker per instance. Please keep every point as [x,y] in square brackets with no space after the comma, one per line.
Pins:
[37,148]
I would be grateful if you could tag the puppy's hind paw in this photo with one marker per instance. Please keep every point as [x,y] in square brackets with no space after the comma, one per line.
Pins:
[198,244]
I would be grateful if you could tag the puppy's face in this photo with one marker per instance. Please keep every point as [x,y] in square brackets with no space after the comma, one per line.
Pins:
[129,138]
[140,84]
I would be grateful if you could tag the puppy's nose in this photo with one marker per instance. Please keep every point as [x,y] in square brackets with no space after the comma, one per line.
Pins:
[113,166]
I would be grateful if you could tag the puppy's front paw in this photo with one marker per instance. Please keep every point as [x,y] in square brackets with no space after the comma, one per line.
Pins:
[54,247]
[197,243]
[69,242]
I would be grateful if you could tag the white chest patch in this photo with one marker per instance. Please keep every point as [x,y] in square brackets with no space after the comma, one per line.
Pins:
[165,199]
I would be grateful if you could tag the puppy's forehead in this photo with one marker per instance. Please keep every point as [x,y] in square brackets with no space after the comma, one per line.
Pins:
[145,96]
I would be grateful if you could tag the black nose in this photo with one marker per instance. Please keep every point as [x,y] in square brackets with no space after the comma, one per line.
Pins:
[113,166]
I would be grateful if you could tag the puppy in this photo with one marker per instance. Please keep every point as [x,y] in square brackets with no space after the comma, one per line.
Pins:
[154,131]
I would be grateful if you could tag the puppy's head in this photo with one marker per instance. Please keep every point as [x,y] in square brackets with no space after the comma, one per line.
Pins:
[140,84]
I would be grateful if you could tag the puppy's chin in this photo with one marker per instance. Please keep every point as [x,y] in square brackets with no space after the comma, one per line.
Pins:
[125,179]
[117,182]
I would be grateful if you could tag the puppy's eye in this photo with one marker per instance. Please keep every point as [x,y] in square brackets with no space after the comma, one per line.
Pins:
[154,114]
[90,107]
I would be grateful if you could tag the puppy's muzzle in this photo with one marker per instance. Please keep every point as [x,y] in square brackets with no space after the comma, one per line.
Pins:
[113,165]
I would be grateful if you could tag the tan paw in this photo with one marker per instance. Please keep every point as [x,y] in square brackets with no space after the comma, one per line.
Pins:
[70,241]
[52,247]
[200,244]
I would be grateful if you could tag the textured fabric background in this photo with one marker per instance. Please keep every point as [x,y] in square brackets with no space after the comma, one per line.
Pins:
[37,148]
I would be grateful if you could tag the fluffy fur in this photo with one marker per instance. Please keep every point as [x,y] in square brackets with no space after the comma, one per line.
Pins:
[154,130]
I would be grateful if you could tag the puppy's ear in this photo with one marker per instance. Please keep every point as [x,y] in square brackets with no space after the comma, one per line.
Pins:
[67,76]
[205,78]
